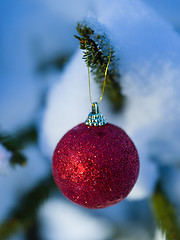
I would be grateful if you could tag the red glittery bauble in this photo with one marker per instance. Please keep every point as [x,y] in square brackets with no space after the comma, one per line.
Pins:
[95,167]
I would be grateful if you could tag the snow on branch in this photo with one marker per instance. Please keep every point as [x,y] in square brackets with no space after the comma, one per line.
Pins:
[165,214]
[98,49]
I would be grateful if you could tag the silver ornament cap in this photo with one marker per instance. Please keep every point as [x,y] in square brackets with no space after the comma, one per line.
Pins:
[95,118]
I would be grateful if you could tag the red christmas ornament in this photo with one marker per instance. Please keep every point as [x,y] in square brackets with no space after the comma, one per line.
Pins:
[95,164]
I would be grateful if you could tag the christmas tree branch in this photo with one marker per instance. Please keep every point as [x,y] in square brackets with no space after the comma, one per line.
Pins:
[165,215]
[17,143]
[57,62]
[14,146]
[98,48]
[24,213]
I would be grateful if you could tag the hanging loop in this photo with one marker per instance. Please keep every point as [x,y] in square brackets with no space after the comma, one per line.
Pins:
[105,75]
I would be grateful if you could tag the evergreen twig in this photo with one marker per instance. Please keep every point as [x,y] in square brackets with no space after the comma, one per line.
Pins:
[98,54]
[24,213]
[14,146]
[58,62]
[17,143]
[165,215]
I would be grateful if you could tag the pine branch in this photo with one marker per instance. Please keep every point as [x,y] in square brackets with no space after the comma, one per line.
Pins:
[14,147]
[27,135]
[165,215]
[24,213]
[17,143]
[54,63]
[98,48]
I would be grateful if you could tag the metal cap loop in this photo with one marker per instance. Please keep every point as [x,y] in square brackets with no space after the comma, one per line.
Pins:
[95,118]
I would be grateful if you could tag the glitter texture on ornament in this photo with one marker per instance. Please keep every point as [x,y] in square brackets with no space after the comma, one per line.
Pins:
[95,167]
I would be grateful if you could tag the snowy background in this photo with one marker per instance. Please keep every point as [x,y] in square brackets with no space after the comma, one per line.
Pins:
[146,37]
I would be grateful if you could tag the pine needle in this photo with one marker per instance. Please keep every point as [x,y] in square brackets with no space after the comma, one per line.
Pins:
[98,47]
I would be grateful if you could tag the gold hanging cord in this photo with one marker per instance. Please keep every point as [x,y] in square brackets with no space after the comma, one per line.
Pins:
[105,75]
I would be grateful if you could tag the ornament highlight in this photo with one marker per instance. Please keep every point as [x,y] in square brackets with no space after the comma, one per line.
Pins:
[95,165]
